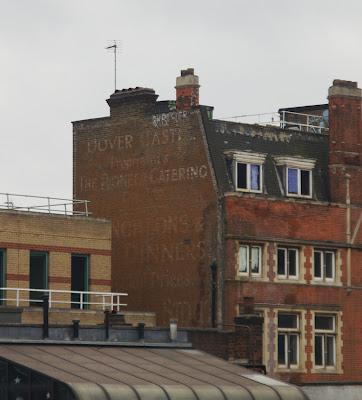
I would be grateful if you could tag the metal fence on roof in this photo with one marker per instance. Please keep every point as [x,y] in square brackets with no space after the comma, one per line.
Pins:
[44,204]
[286,120]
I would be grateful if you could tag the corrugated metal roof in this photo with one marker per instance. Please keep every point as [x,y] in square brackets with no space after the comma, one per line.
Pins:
[122,373]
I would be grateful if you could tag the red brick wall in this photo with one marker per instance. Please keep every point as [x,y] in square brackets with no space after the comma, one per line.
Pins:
[149,173]
[345,147]
[300,220]
[187,97]
[306,225]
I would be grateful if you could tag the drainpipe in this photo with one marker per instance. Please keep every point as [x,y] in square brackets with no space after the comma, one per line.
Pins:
[45,299]
[213,268]
[348,232]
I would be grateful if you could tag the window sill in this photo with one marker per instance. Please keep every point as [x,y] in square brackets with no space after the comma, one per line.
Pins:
[250,278]
[324,283]
[248,191]
[287,280]
[299,196]
[286,370]
[326,371]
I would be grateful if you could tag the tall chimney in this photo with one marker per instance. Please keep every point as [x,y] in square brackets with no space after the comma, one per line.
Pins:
[187,90]
[345,140]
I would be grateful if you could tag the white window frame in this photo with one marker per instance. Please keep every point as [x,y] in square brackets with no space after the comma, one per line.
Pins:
[249,159]
[249,248]
[287,332]
[323,277]
[300,164]
[324,333]
[299,183]
[286,262]
[248,177]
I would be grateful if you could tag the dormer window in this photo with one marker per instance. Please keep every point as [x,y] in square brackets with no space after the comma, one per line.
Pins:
[299,182]
[298,176]
[248,171]
[248,177]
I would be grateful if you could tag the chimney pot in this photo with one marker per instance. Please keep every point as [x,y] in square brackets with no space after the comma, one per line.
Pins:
[342,88]
[343,83]
[188,71]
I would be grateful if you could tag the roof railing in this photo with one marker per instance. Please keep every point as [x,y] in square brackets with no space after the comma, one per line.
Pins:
[49,205]
[82,300]
[285,120]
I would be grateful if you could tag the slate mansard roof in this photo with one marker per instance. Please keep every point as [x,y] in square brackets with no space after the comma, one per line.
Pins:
[225,137]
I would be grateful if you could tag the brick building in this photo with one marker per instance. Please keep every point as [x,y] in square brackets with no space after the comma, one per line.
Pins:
[211,217]
[49,253]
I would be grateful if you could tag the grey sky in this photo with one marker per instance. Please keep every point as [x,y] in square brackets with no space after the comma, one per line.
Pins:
[251,56]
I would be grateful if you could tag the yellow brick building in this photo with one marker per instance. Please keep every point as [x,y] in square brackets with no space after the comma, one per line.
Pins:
[56,255]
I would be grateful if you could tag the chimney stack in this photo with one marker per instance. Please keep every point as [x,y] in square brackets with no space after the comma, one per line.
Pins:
[187,90]
[131,101]
[345,140]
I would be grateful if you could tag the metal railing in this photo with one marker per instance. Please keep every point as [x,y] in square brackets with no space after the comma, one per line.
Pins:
[270,118]
[50,205]
[303,122]
[73,298]
[285,120]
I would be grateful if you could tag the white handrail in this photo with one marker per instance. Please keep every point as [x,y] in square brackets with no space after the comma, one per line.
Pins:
[109,300]
[282,121]
[52,205]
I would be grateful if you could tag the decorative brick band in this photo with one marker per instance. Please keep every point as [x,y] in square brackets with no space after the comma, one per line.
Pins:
[102,282]
[17,277]
[57,279]
[57,249]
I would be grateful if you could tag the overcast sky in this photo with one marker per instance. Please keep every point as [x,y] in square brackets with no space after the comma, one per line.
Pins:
[251,56]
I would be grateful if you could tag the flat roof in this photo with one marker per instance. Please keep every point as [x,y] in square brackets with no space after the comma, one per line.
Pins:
[122,373]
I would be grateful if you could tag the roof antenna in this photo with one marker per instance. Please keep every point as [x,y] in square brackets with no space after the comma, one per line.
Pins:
[114,46]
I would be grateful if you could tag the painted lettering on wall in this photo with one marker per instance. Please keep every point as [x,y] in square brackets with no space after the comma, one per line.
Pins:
[136,163]
[178,174]
[168,280]
[165,137]
[116,143]
[124,181]
[154,226]
[164,119]
[88,184]
[164,252]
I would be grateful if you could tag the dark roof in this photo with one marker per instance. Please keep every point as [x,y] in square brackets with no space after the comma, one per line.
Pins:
[302,109]
[224,136]
[101,373]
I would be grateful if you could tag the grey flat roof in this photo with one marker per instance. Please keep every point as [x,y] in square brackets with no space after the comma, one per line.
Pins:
[122,373]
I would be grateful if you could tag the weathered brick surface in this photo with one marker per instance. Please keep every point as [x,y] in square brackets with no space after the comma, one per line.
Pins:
[241,343]
[282,222]
[150,175]
[345,147]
